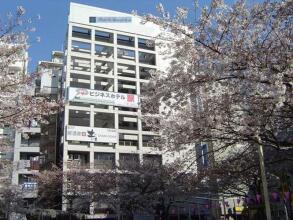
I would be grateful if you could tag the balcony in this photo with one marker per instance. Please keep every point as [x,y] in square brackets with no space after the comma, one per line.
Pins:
[30,140]
[128,87]
[127,122]
[104,84]
[80,64]
[125,70]
[80,80]
[29,189]
[28,185]
[29,165]
[103,67]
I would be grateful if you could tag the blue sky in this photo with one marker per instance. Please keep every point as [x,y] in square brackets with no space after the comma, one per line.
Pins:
[51,28]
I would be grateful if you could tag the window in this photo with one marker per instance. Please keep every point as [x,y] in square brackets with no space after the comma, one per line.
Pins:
[125,40]
[147,140]
[92,19]
[81,32]
[146,44]
[126,54]
[104,36]
[125,86]
[80,80]
[104,67]
[74,157]
[104,160]
[127,122]
[80,64]
[81,47]
[80,76]
[145,73]
[129,140]
[30,139]
[147,58]
[104,84]
[78,160]
[104,120]
[204,155]
[79,118]
[125,70]
[104,51]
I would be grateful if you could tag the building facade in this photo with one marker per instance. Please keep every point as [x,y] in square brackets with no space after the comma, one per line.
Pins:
[109,55]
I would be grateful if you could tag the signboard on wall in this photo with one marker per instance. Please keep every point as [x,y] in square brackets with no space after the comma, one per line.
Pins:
[103,97]
[107,19]
[88,134]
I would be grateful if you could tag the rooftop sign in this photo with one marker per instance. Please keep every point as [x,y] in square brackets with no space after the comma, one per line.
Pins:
[127,19]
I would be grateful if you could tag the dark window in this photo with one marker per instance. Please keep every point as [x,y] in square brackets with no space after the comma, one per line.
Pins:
[103,36]
[81,32]
[204,154]
[92,19]
[146,44]
[81,47]
[125,40]
[147,58]
[79,118]
[104,160]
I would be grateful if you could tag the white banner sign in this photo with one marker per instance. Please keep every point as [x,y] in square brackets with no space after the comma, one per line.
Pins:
[104,135]
[103,97]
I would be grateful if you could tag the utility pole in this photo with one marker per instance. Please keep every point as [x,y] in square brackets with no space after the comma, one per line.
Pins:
[264,179]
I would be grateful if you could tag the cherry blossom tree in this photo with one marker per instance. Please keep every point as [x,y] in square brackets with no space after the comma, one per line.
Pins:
[148,188]
[18,105]
[229,81]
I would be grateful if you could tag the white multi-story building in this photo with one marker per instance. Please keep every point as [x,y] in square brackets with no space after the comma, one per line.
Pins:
[36,142]
[109,56]
[107,60]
